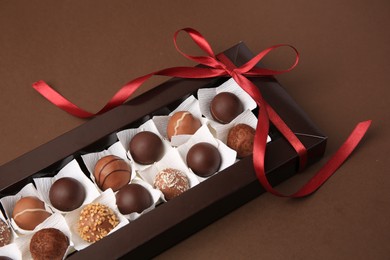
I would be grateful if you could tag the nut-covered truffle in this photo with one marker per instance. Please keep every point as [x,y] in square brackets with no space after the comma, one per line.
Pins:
[133,198]
[48,243]
[96,221]
[5,234]
[112,172]
[204,159]
[240,138]
[171,182]
[146,148]
[225,106]
[182,123]
[67,194]
[29,212]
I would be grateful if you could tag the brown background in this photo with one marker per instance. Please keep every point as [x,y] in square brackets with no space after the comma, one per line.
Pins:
[88,49]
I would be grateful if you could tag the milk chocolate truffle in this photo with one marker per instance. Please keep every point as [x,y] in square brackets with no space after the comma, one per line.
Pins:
[48,243]
[204,159]
[146,148]
[225,106]
[240,138]
[182,123]
[5,234]
[112,172]
[29,212]
[133,198]
[171,182]
[96,221]
[67,194]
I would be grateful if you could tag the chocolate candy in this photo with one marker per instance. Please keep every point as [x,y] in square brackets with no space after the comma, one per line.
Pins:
[240,138]
[171,182]
[96,221]
[5,234]
[112,172]
[225,106]
[48,243]
[5,258]
[146,148]
[67,194]
[133,198]
[204,159]
[182,123]
[29,212]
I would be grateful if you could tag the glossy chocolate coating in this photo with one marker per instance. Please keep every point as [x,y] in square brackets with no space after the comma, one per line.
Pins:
[5,258]
[29,212]
[133,198]
[171,182]
[112,172]
[5,234]
[240,138]
[225,106]
[67,194]
[146,148]
[182,123]
[204,159]
[48,243]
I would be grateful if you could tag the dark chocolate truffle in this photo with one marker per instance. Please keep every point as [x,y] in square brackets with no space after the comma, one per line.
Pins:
[182,123]
[171,182]
[5,234]
[67,194]
[204,159]
[48,243]
[112,172]
[146,148]
[225,106]
[133,198]
[96,221]
[5,258]
[240,138]
[29,212]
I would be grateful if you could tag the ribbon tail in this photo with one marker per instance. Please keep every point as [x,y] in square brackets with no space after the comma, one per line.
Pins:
[335,161]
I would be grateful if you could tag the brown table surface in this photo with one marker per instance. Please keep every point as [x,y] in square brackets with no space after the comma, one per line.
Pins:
[88,49]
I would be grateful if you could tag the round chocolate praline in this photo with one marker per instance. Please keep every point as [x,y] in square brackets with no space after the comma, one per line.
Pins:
[48,243]
[5,234]
[67,194]
[204,159]
[133,198]
[225,106]
[240,138]
[182,123]
[112,172]
[29,212]
[5,258]
[146,148]
[171,182]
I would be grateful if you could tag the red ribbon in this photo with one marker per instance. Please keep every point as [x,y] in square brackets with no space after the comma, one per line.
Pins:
[218,66]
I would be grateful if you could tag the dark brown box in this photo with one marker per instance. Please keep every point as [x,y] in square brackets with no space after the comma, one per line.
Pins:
[171,222]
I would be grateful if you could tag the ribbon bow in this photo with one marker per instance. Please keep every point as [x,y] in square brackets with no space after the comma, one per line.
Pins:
[217,66]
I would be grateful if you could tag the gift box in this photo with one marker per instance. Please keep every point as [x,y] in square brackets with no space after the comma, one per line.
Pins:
[173,221]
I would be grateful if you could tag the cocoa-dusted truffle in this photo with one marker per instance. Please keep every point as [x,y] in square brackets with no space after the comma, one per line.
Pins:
[204,159]
[133,198]
[29,212]
[67,194]
[225,106]
[112,172]
[240,138]
[146,148]
[5,234]
[96,221]
[48,243]
[182,123]
[171,182]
